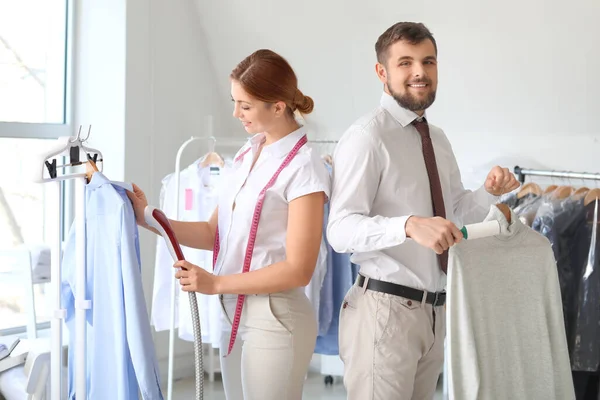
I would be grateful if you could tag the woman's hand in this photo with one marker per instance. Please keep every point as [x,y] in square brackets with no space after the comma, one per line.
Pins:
[139,202]
[194,279]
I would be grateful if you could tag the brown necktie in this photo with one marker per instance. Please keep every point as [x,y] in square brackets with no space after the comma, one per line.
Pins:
[434,180]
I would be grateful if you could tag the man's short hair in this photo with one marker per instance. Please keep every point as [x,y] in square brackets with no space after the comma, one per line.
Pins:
[412,32]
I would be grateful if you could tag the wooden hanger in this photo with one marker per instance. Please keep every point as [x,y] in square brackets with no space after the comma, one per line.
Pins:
[90,168]
[550,189]
[328,159]
[212,158]
[505,210]
[527,188]
[592,195]
[579,193]
[562,192]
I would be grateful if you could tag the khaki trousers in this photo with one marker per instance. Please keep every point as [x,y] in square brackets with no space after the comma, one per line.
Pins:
[274,346]
[392,347]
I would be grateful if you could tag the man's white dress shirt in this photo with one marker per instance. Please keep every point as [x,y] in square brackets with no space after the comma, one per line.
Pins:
[379,181]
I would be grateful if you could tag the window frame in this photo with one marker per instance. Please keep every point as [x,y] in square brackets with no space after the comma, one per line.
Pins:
[29,130]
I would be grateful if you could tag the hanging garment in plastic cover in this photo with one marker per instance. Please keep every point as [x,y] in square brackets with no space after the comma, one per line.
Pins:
[528,206]
[585,329]
[512,200]
[558,220]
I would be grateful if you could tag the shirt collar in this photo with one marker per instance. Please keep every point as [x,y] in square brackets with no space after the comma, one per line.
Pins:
[284,145]
[98,179]
[402,115]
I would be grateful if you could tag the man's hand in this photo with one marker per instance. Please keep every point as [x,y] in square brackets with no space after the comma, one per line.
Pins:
[500,181]
[435,233]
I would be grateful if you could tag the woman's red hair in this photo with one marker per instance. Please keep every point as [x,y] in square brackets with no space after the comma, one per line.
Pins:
[268,77]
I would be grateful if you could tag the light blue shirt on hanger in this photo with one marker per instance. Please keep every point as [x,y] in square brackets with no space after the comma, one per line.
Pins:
[120,352]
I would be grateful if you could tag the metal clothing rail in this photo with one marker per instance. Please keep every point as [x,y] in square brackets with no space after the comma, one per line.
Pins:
[522,172]
[323,141]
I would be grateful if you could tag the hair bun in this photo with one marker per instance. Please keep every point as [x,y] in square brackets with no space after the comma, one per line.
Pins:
[305,104]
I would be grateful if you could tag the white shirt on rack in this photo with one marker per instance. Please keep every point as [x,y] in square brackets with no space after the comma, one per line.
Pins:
[379,181]
[197,201]
[305,174]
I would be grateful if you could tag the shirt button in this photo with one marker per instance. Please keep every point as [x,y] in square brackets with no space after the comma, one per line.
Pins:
[345,304]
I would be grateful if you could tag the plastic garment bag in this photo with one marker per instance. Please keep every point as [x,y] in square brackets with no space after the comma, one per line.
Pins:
[512,199]
[570,227]
[558,221]
[527,208]
[585,328]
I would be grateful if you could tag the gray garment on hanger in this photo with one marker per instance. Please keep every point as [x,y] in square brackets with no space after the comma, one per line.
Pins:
[506,335]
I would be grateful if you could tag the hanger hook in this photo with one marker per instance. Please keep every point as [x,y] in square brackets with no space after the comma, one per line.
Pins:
[213,143]
[77,138]
[88,135]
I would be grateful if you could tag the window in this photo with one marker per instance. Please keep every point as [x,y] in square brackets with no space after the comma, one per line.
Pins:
[23,216]
[34,108]
[32,60]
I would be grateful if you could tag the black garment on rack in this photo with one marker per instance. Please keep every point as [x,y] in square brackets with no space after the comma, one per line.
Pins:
[559,221]
[585,331]
[586,385]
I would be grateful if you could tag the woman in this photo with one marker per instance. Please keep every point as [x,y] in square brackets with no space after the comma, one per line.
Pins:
[266,234]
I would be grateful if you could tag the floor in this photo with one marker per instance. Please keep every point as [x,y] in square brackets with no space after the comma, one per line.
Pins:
[314,389]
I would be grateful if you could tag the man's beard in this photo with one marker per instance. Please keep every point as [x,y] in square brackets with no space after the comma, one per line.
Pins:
[410,102]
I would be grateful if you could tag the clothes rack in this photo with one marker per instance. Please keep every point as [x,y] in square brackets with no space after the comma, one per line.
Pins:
[212,144]
[570,234]
[323,141]
[522,172]
[48,172]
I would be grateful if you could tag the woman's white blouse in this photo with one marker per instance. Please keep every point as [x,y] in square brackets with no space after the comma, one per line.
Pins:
[305,174]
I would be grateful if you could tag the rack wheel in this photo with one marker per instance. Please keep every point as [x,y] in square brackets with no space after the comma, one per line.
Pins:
[328,380]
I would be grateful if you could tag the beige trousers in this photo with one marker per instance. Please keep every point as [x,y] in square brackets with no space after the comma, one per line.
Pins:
[392,347]
[274,346]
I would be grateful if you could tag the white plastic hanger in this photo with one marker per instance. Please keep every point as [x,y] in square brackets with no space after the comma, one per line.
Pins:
[71,147]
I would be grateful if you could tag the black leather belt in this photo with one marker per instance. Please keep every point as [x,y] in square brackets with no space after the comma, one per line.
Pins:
[436,299]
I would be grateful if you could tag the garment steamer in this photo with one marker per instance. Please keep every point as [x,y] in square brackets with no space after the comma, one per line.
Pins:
[159,221]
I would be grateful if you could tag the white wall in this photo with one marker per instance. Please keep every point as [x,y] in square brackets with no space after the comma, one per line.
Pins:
[512,73]
[99,78]
[184,94]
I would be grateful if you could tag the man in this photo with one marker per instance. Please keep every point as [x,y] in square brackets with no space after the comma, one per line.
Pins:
[396,202]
